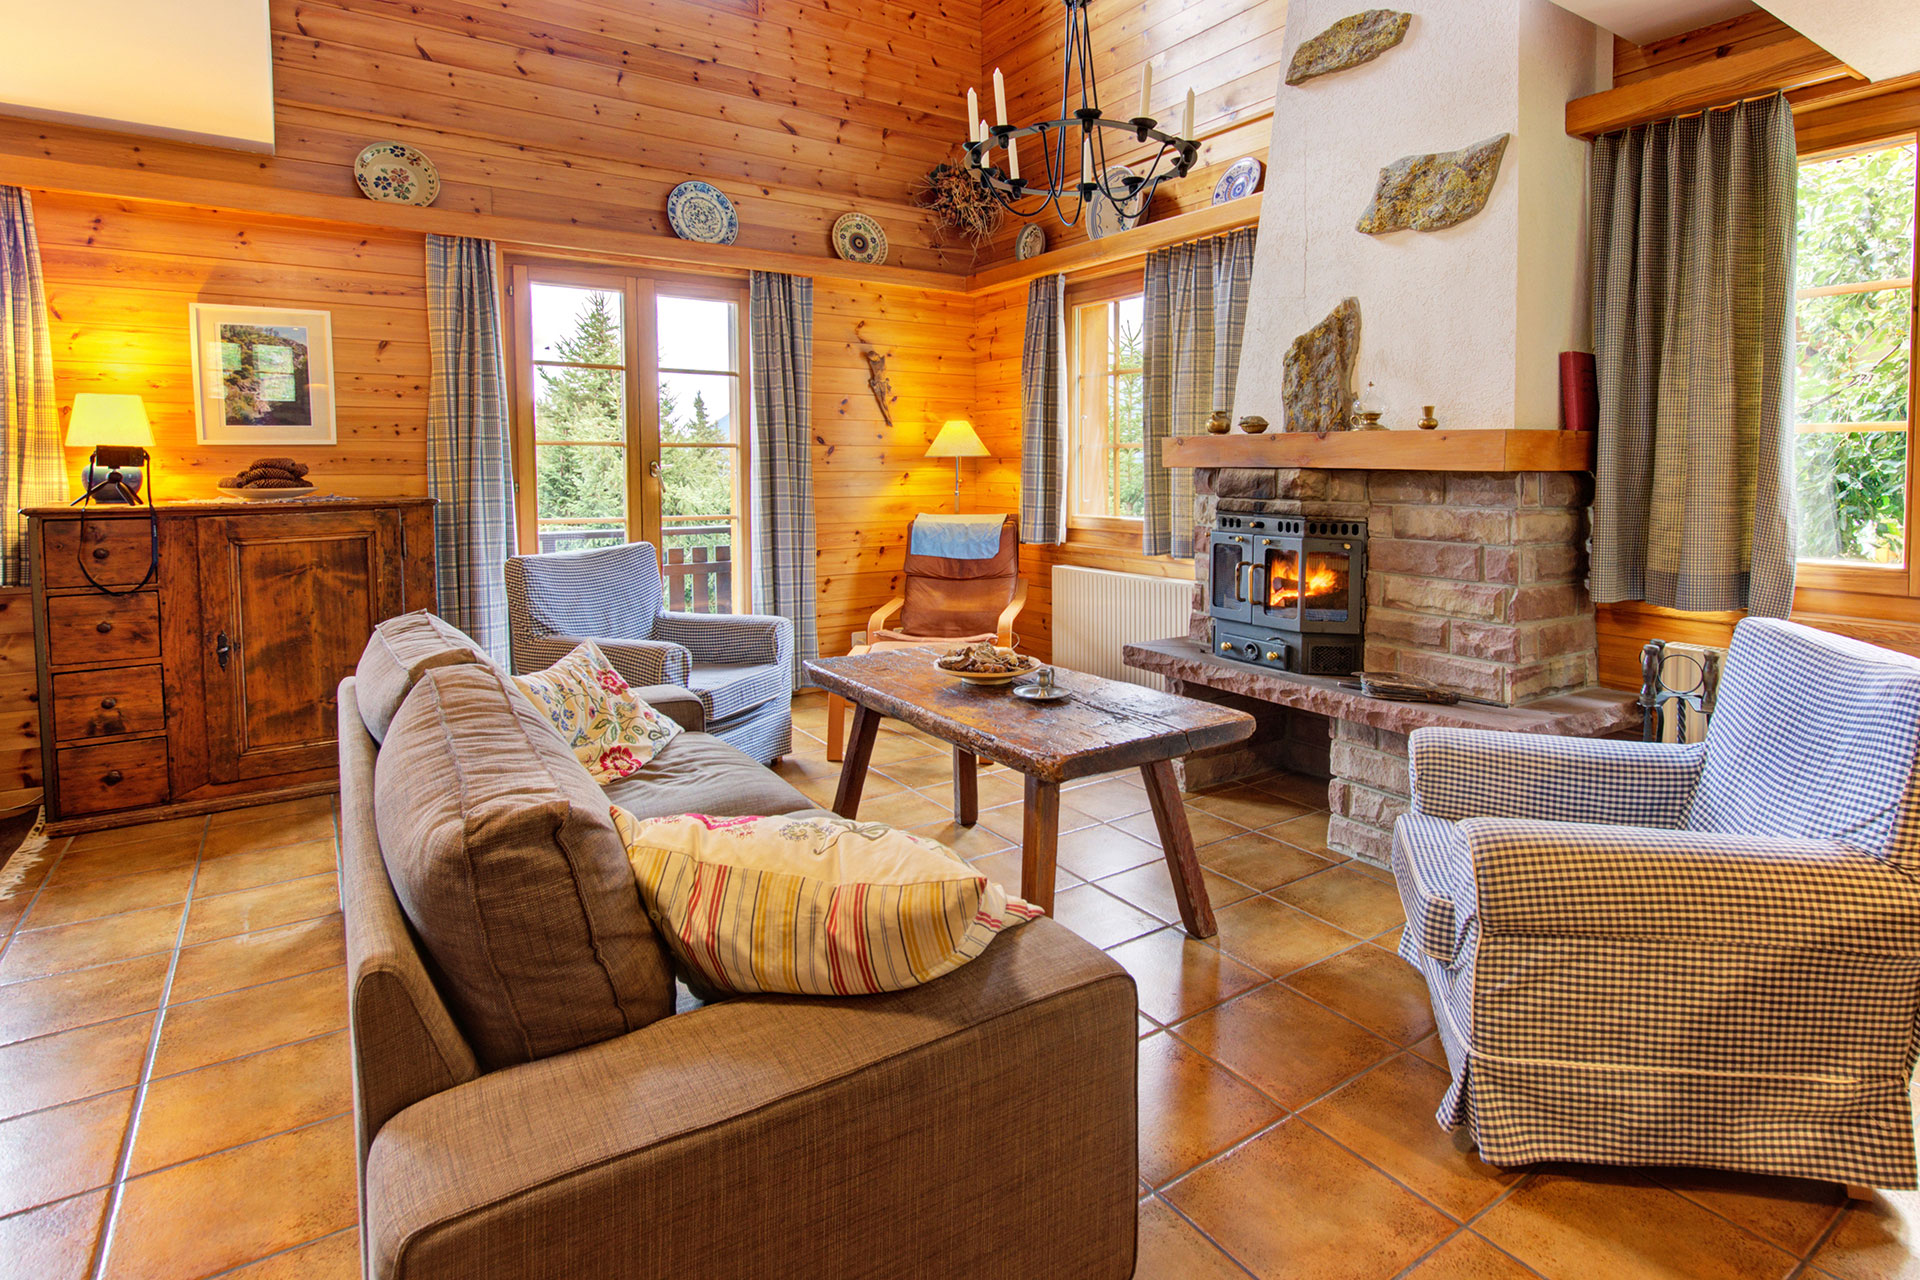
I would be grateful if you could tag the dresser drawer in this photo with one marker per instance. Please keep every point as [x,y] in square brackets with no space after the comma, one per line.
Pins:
[116,552]
[97,628]
[110,703]
[112,775]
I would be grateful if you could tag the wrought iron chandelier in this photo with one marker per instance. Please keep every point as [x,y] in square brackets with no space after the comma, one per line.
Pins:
[1086,126]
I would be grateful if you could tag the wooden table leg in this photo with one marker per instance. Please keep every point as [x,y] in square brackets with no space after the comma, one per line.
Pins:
[966,788]
[836,727]
[853,773]
[1176,841]
[1039,843]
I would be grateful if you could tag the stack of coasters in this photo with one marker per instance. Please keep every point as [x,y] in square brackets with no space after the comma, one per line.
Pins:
[270,473]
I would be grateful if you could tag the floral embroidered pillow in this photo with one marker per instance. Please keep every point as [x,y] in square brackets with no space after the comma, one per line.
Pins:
[612,732]
[810,903]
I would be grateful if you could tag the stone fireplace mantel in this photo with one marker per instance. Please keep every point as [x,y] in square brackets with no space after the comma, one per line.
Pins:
[1400,450]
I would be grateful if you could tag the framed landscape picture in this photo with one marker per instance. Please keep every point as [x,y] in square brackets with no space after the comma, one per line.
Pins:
[262,375]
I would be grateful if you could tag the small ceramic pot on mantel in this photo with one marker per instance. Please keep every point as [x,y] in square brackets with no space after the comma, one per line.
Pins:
[1253,424]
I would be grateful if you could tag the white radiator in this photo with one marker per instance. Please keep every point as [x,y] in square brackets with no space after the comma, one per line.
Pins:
[1096,611]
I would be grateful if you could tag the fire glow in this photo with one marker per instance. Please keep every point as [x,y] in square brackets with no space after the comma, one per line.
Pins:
[1285,589]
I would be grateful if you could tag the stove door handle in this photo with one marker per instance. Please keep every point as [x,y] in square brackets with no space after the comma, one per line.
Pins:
[1242,586]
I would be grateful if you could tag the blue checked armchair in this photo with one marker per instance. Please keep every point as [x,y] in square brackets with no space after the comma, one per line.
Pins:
[740,665]
[1697,955]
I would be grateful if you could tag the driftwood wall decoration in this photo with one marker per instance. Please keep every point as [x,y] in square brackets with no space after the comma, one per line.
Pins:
[878,384]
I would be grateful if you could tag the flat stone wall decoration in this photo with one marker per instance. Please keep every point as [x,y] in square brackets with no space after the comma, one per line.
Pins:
[1359,38]
[1317,375]
[1431,192]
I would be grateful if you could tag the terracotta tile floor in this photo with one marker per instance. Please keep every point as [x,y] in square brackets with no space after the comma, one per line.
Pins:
[174,1095]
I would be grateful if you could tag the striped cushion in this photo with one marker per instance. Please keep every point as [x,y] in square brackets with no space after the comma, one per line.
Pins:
[810,904]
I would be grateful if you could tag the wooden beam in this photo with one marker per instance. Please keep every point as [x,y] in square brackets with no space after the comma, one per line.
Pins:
[1088,255]
[526,234]
[1789,64]
[1462,450]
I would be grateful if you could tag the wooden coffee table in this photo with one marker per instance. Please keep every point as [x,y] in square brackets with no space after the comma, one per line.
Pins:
[1106,725]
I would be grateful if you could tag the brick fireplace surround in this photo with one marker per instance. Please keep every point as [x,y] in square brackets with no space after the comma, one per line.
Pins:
[1476,580]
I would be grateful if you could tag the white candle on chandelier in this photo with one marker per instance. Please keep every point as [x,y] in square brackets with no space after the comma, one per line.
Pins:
[1186,117]
[973,109]
[1086,159]
[1013,157]
[999,98]
[985,137]
[1146,90]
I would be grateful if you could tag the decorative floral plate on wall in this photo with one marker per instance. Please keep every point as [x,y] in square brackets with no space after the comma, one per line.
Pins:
[1241,179]
[701,212]
[1103,215]
[395,173]
[858,238]
[1030,243]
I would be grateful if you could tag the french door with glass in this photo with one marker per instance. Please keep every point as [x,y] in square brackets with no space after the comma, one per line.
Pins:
[629,416]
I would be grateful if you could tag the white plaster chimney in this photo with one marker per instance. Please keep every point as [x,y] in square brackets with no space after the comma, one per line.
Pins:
[1470,319]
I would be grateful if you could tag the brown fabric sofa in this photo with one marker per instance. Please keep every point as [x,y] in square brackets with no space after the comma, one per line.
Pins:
[983,1124]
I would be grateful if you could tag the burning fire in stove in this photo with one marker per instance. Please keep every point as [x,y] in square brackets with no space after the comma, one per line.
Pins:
[1284,583]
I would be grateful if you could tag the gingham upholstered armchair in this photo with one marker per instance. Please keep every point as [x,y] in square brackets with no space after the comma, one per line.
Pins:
[740,665]
[1696,955]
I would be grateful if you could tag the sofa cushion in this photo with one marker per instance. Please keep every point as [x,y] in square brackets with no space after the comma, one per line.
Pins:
[731,689]
[398,653]
[503,854]
[612,732]
[698,773]
[811,904]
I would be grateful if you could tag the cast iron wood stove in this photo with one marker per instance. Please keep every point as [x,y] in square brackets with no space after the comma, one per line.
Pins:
[1289,592]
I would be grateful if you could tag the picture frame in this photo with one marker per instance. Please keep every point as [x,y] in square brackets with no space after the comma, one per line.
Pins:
[262,375]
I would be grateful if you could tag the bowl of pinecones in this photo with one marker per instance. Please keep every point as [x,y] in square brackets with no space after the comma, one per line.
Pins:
[269,480]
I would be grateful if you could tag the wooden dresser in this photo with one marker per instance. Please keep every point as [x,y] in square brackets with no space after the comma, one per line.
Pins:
[213,684]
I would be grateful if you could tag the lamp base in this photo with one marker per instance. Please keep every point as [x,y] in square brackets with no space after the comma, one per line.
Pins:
[110,484]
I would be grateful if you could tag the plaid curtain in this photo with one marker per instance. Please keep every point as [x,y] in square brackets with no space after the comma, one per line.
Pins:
[1196,314]
[469,465]
[1692,240]
[32,467]
[780,320]
[1043,417]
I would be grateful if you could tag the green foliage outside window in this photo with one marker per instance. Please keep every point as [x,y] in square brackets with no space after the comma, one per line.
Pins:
[1126,411]
[1855,226]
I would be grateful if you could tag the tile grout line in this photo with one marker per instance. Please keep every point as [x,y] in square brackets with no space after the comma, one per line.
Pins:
[242,1145]
[278,1253]
[103,1245]
[34,901]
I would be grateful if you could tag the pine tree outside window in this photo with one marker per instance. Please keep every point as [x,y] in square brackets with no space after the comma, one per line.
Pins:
[629,421]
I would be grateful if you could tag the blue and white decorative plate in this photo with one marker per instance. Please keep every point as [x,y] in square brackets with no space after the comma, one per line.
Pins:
[1103,215]
[1242,178]
[858,238]
[1030,243]
[701,212]
[395,173]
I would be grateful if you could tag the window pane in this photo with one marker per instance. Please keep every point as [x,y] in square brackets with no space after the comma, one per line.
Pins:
[1853,357]
[696,408]
[1129,485]
[582,326]
[579,404]
[696,333]
[581,495]
[1129,328]
[1852,495]
[696,482]
[1856,218]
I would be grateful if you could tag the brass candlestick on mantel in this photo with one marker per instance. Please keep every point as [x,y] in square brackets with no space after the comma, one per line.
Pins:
[1427,421]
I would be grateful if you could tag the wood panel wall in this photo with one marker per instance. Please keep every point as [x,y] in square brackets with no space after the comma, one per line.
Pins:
[587,112]
[1227,51]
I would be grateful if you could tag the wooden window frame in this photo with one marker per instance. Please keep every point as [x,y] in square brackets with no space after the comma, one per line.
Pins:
[1865,579]
[640,291]
[1079,295]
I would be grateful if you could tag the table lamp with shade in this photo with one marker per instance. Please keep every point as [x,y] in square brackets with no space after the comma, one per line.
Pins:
[957,440]
[116,429]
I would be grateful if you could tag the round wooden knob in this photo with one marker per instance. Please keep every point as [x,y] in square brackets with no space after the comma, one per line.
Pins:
[99,553]
[104,627]
[112,778]
[108,704]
